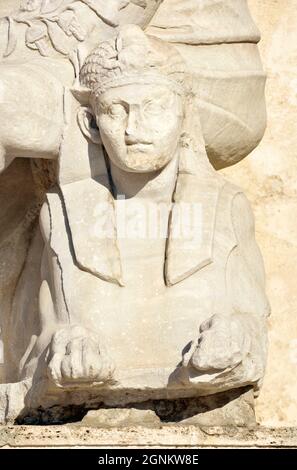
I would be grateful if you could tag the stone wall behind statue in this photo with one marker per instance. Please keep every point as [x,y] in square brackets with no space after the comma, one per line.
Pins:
[269,178]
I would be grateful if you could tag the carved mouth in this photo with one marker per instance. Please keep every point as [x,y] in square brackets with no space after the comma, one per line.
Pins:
[139,145]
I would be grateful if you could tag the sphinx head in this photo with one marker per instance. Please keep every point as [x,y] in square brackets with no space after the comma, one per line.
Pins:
[137,99]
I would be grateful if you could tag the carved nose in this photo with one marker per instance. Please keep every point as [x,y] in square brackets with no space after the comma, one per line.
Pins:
[135,130]
[131,128]
[133,122]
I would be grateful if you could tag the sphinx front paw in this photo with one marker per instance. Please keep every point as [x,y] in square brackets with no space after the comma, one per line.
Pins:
[223,343]
[76,359]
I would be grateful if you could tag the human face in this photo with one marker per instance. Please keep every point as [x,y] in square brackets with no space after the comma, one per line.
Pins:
[140,126]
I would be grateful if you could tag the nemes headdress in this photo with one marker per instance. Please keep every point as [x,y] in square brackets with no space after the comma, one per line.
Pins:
[132,57]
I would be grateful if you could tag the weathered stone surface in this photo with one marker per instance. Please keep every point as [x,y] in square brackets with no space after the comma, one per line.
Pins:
[100,309]
[12,400]
[234,408]
[129,130]
[269,178]
[117,417]
[168,436]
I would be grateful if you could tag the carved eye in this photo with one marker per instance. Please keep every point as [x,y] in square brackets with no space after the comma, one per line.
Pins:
[117,111]
[153,107]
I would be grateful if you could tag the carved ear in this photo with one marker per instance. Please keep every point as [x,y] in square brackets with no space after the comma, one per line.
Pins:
[87,123]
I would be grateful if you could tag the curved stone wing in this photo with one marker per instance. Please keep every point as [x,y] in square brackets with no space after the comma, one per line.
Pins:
[218,40]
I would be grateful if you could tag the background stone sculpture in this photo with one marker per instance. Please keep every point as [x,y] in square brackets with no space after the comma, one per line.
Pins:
[220,153]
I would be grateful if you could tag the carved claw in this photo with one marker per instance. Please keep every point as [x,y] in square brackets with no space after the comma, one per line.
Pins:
[76,359]
[222,344]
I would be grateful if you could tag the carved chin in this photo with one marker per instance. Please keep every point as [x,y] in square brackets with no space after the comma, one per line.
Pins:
[144,163]
[144,167]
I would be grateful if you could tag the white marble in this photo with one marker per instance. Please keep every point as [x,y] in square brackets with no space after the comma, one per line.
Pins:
[143,279]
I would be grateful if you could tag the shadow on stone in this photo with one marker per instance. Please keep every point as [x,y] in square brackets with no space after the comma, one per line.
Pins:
[232,408]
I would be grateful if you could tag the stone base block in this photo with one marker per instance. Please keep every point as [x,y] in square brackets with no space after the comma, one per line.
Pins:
[165,436]
[232,408]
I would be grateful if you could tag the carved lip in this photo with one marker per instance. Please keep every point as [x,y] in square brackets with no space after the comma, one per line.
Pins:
[138,144]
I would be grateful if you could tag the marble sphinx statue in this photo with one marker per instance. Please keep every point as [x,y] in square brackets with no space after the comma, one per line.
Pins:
[130,272]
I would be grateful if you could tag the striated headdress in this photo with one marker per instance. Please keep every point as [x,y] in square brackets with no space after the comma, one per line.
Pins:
[132,57]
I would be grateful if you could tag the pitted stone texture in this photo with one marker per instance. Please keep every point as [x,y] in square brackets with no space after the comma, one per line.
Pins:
[168,436]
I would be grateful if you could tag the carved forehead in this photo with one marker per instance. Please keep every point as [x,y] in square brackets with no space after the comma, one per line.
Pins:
[130,94]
